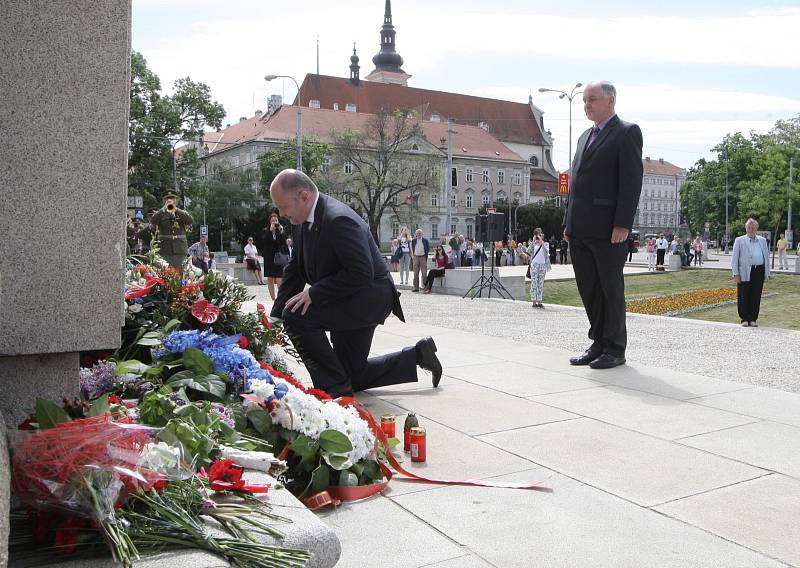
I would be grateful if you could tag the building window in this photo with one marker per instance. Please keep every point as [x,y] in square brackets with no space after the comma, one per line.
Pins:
[313,103]
[335,106]
[535,161]
[485,174]
[501,176]
[434,230]
[453,229]
[517,177]
[453,200]
[485,199]
[348,167]
[395,229]
[326,164]
[470,231]
[454,177]
[436,118]
[468,175]
[469,201]
[350,107]
[434,200]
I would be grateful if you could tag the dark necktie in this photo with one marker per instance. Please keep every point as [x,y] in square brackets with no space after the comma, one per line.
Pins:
[593,136]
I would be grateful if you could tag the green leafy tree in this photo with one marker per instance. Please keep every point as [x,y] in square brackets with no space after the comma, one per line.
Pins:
[384,167]
[277,159]
[230,197]
[158,123]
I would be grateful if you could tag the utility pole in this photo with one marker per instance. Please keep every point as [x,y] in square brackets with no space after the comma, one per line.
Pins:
[789,214]
[449,172]
[727,237]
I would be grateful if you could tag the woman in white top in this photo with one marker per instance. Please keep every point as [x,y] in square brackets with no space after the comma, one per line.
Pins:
[251,259]
[404,242]
[539,252]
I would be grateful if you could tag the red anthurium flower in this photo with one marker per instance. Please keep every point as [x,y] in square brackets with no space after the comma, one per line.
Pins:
[205,311]
[243,342]
[226,475]
[260,308]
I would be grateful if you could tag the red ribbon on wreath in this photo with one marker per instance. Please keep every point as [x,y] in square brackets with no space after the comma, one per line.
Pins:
[226,475]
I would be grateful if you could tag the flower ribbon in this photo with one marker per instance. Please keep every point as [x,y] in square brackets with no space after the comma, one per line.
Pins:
[226,475]
[380,436]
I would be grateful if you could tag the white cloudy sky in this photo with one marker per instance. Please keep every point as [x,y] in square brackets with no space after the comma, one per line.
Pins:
[688,72]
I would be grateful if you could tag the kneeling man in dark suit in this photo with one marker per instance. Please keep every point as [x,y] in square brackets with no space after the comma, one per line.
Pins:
[604,193]
[350,293]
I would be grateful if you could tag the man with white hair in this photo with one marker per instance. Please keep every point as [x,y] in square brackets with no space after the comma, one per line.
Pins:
[750,265]
[606,183]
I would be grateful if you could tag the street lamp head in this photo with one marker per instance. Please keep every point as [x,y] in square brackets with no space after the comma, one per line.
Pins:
[270,77]
[561,96]
[578,85]
[543,90]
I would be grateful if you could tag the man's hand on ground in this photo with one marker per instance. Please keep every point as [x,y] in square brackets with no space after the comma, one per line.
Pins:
[618,235]
[299,301]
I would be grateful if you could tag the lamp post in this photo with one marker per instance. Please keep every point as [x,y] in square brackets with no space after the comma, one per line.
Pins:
[299,118]
[569,96]
[727,238]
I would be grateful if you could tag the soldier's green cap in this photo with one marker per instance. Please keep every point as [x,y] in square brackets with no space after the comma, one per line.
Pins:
[169,195]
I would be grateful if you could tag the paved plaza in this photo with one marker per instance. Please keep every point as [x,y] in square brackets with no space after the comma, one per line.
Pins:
[651,464]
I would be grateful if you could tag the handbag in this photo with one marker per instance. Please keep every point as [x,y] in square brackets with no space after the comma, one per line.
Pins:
[528,273]
[281,259]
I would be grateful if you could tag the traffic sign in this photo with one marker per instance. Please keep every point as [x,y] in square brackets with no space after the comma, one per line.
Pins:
[203,230]
[563,183]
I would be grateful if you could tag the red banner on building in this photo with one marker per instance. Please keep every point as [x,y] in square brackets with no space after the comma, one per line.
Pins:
[563,183]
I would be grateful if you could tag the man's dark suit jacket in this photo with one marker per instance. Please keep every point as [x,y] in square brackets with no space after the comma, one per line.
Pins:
[341,261]
[606,181]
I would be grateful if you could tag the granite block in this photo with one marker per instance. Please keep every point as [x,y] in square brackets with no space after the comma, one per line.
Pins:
[63,177]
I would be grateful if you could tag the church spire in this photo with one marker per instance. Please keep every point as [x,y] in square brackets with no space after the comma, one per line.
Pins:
[354,68]
[388,63]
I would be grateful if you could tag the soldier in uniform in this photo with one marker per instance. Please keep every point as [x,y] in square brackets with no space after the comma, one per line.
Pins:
[172,224]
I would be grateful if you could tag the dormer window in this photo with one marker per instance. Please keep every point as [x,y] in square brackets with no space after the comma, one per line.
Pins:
[484,126]
[436,118]
[335,106]
[350,107]
[313,103]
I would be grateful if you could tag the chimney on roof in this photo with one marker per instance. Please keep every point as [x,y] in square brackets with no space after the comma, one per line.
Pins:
[242,118]
[258,113]
[661,160]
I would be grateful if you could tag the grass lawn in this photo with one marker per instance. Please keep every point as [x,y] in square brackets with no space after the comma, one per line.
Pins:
[780,310]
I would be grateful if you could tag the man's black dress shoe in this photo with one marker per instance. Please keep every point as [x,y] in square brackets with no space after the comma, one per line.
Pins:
[584,358]
[427,359]
[606,361]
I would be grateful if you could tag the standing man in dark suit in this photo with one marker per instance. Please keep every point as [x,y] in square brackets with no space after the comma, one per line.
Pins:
[420,247]
[606,182]
[350,293]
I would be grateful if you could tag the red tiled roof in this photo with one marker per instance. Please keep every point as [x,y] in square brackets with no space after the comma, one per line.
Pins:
[318,124]
[661,167]
[508,121]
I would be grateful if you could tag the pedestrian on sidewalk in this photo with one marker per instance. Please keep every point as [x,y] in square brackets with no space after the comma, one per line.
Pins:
[420,248]
[606,184]
[631,244]
[563,250]
[783,261]
[339,284]
[251,260]
[539,266]
[687,251]
[750,265]
[650,247]
[698,251]
[661,251]
[405,254]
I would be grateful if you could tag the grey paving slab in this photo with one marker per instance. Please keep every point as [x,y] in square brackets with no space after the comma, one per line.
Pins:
[575,526]
[381,534]
[475,410]
[762,514]
[451,454]
[660,381]
[770,404]
[634,466]
[518,379]
[468,561]
[659,416]
[768,445]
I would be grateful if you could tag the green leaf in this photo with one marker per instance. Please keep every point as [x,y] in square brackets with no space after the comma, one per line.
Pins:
[320,479]
[260,420]
[149,341]
[303,446]
[131,367]
[171,324]
[197,361]
[210,384]
[99,406]
[335,442]
[48,414]
[337,461]
[348,479]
